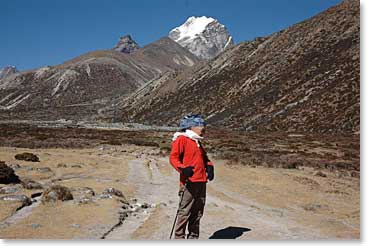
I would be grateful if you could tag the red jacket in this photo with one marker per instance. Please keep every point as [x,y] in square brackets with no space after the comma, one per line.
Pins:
[184,153]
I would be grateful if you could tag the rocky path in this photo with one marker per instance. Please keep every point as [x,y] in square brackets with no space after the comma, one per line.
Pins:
[227,215]
[242,202]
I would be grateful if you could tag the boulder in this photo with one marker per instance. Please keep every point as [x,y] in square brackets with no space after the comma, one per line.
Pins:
[26,201]
[44,169]
[113,191]
[27,157]
[9,189]
[7,174]
[57,193]
[31,184]
[83,195]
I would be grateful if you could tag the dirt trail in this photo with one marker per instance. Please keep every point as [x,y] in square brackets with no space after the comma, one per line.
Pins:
[228,214]
[242,202]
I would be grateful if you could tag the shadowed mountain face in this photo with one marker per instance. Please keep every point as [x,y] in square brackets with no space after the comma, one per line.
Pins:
[78,88]
[303,78]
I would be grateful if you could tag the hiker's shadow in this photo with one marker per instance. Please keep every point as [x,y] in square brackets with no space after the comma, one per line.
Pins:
[231,232]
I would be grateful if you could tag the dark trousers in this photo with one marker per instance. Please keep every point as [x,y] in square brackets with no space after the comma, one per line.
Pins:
[190,210]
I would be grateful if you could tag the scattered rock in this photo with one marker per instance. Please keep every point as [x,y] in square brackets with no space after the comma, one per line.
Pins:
[26,201]
[84,195]
[313,207]
[354,174]
[9,189]
[31,184]
[7,174]
[57,192]
[75,225]
[44,169]
[76,166]
[27,157]
[105,196]
[35,226]
[134,200]
[321,174]
[145,205]
[293,165]
[14,166]
[86,191]
[113,191]
[84,200]
[337,192]
[306,181]
[61,165]
[29,168]
[37,194]
[135,209]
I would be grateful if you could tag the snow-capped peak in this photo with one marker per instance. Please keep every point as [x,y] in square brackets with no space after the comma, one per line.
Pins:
[192,27]
[203,36]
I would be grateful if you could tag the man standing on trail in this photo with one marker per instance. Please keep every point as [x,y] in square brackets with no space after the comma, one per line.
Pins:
[189,158]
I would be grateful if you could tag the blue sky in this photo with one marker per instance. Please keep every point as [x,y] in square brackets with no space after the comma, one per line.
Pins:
[37,33]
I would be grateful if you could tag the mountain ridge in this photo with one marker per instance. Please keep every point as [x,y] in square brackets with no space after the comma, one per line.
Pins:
[303,78]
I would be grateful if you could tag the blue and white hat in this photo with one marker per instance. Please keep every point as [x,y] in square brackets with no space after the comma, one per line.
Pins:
[192,120]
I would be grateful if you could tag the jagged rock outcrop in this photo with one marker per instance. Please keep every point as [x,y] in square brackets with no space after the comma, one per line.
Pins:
[126,45]
[203,36]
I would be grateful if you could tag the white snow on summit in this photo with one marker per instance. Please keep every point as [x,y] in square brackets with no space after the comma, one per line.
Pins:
[192,27]
[203,36]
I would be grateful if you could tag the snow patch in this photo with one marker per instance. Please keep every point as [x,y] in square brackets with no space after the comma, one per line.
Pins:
[87,69]
[64,80]
[7,97]
[41,72]
[229,41]
[13,103]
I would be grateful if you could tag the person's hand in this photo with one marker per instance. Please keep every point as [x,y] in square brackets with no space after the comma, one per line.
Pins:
[210,172]
[187,171]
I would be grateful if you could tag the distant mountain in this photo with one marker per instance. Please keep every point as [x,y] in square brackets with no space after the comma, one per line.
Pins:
[126,45]
[203,36]
[79,88]
[7,71]
[302,79]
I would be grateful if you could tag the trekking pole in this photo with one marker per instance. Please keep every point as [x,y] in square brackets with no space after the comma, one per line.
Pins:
[179,205]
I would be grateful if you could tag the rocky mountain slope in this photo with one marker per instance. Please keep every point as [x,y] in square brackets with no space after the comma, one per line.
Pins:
[7,71]
[78,88]
[303,78]
[203,36]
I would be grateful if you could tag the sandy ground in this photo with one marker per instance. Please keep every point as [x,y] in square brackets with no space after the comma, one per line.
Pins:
[242,202]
